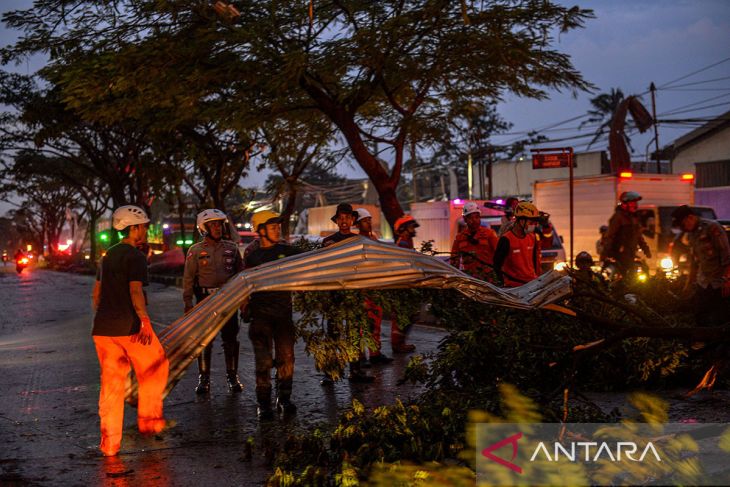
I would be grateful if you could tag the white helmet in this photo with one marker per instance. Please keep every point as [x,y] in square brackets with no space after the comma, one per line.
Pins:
[126,216]
[362,213]
[470,208]
[209,215]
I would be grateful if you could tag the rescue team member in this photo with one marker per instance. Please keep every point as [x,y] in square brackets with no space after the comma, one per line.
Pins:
[624,233]
[517,258]
[271,321]
[508,219]
[364,223]
[599,243]
[123,334]
[208,266]
[473,248]
[344,218]
[710,258]
[405,231]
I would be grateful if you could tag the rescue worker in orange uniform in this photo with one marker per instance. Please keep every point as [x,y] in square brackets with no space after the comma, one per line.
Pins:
[364,224]
[517,258]
[208,266]
[405,230]
[474,247]
[123,334]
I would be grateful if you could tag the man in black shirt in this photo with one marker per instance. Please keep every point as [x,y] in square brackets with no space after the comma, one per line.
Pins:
[271,320]
[123,334]
[344,218]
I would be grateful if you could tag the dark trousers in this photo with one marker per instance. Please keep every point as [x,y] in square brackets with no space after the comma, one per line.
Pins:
[267,333]
[711,309]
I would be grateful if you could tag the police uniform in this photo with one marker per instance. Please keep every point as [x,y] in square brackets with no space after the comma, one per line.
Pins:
[208,266]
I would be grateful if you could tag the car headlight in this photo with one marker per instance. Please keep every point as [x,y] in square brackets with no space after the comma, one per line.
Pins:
[560,266]
[667,264]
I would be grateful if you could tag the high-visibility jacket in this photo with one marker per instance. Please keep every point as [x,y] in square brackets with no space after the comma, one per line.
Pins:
[474,252]
[520,262]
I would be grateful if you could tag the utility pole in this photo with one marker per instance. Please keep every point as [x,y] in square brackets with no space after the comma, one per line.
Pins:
[652,88]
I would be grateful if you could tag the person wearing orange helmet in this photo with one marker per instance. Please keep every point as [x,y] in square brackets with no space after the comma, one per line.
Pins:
[405,231]
[517,258]
[473,248]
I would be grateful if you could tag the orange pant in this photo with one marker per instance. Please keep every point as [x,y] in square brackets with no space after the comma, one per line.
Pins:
[150,367]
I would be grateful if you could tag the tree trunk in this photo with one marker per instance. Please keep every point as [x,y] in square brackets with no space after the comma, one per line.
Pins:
[291,200]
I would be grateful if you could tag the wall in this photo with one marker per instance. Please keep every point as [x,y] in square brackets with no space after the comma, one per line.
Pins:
[717,198]
[715,147]
[516,178]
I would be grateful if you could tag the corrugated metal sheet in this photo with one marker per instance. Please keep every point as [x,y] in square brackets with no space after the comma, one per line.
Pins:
[356,263]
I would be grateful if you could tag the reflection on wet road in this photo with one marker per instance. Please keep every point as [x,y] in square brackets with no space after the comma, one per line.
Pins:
[49,378]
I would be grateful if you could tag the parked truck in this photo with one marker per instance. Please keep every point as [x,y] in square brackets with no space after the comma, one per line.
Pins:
[595,199]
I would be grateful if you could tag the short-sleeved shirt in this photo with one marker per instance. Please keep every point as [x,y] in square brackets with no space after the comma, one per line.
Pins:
[337,237]
[210,265]
[115,315]
[270,304]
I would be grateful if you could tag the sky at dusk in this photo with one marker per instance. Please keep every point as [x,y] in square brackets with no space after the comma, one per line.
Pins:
[629,44]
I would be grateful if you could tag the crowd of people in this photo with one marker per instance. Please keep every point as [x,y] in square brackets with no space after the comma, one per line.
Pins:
[124,338]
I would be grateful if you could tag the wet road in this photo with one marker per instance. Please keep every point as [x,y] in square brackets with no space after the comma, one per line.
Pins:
[49,383]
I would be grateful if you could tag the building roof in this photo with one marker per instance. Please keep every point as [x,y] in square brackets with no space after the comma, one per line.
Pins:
[707,129]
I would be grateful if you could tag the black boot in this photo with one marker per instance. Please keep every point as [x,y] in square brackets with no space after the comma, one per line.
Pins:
[204,370]
[230,350]
[263,404]
[283,398]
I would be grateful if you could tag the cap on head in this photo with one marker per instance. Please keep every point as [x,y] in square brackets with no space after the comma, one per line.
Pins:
[206,216]
[603,229]
[402,222]
[583,259]
[525,209]
[264,217]
[344,208]
[629,196]
[680,214]
[470,208]
[126,216]
[362,213]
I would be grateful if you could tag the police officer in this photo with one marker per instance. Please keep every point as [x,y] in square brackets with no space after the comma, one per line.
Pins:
[209,264]
[710,257]
[624,233]
[271,321]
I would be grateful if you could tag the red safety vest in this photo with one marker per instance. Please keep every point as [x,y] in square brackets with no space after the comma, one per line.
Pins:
[475,255]
[520,267]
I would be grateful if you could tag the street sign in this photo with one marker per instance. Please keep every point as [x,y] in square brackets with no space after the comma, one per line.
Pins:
[558,157]
[549,160]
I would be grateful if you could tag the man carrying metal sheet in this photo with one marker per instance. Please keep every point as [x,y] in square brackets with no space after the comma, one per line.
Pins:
[208,266]
[271,321]
[123,334]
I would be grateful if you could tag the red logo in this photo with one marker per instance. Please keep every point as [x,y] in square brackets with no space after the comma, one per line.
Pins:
[487,452]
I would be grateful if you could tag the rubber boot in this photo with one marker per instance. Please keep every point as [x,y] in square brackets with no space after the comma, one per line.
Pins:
[263,404]
[283,398]
[203,386]
[230,350]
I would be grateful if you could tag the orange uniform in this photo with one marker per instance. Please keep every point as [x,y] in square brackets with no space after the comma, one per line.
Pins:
[474,252]
[517,259]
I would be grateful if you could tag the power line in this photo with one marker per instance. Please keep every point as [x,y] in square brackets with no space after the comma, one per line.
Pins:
[676,112]
[671,110]
[695,72]
[698,83]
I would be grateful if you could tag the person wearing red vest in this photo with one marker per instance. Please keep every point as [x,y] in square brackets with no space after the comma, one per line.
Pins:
[474,247]
[517,258]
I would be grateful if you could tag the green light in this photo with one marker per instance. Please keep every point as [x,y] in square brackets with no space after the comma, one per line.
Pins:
[188,242]
[179,242]
[103,237]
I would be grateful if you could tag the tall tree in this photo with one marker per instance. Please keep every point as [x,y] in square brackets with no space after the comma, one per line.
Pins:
[387,71]
[604,108]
